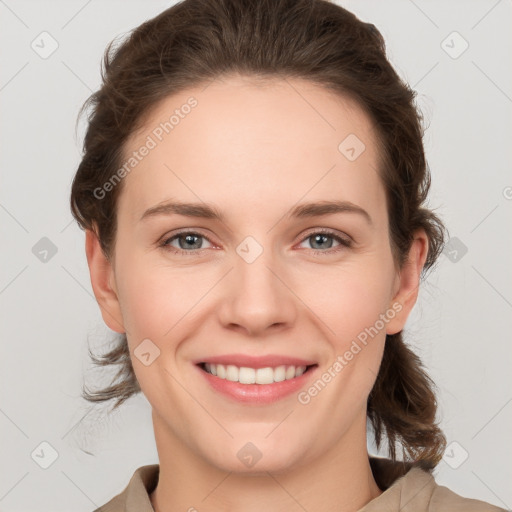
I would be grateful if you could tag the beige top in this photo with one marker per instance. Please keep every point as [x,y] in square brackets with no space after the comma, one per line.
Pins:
[406,489]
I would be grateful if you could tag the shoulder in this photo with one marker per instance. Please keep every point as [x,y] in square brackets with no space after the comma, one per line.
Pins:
[418,491]
[445,499]
[135,496]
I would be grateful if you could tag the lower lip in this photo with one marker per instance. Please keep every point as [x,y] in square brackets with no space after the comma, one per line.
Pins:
[257,393]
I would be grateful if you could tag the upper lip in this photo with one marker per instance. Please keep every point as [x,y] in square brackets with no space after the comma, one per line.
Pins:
[269,360]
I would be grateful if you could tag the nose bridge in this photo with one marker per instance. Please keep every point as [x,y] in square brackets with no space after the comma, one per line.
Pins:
[258,298]
[252,268]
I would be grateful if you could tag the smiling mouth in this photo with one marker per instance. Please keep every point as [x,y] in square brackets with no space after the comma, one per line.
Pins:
[246,375]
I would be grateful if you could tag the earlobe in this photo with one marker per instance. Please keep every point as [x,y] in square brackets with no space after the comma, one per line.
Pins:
[408,282]
[102,281]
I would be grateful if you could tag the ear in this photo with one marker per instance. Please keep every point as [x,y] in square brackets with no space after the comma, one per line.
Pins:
[103,283]
[407,282]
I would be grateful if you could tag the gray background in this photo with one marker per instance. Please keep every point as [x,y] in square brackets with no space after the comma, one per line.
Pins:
[460,327]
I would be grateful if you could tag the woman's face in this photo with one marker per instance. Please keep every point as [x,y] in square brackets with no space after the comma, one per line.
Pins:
[297,272]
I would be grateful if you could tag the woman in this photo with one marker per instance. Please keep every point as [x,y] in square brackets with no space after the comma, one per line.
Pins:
[253,194]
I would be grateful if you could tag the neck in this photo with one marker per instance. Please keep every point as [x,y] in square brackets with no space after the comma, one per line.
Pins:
[339,480]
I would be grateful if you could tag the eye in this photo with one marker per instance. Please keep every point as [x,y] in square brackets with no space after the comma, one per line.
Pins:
[322,241]
[188,242]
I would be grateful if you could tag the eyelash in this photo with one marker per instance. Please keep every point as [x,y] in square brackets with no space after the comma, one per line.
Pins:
[345,243]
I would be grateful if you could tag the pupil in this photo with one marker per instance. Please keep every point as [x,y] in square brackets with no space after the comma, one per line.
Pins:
[318,239]
[189,241]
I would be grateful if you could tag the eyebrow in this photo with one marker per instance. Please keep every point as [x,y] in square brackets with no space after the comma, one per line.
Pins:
[207,211]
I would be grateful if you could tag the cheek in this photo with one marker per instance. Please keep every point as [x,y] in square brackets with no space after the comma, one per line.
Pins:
[147,295]
[348,299]
[353,304]
[160,300]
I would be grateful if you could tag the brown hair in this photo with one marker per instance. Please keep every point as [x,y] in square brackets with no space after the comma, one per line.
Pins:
[196,41]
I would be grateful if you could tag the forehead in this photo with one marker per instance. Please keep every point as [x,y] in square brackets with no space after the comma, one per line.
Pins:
[246,142]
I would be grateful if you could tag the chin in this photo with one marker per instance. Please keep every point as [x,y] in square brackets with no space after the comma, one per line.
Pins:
[256,457]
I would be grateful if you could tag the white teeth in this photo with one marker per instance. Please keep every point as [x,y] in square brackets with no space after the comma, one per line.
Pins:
[221,370]
[264,376]
[290,372]
[246,375]
[279,373]
[232,373]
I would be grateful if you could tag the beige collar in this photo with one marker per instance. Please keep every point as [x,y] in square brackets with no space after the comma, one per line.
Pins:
[406,488]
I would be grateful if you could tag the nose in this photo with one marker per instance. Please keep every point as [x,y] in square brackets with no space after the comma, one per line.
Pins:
[257,297]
